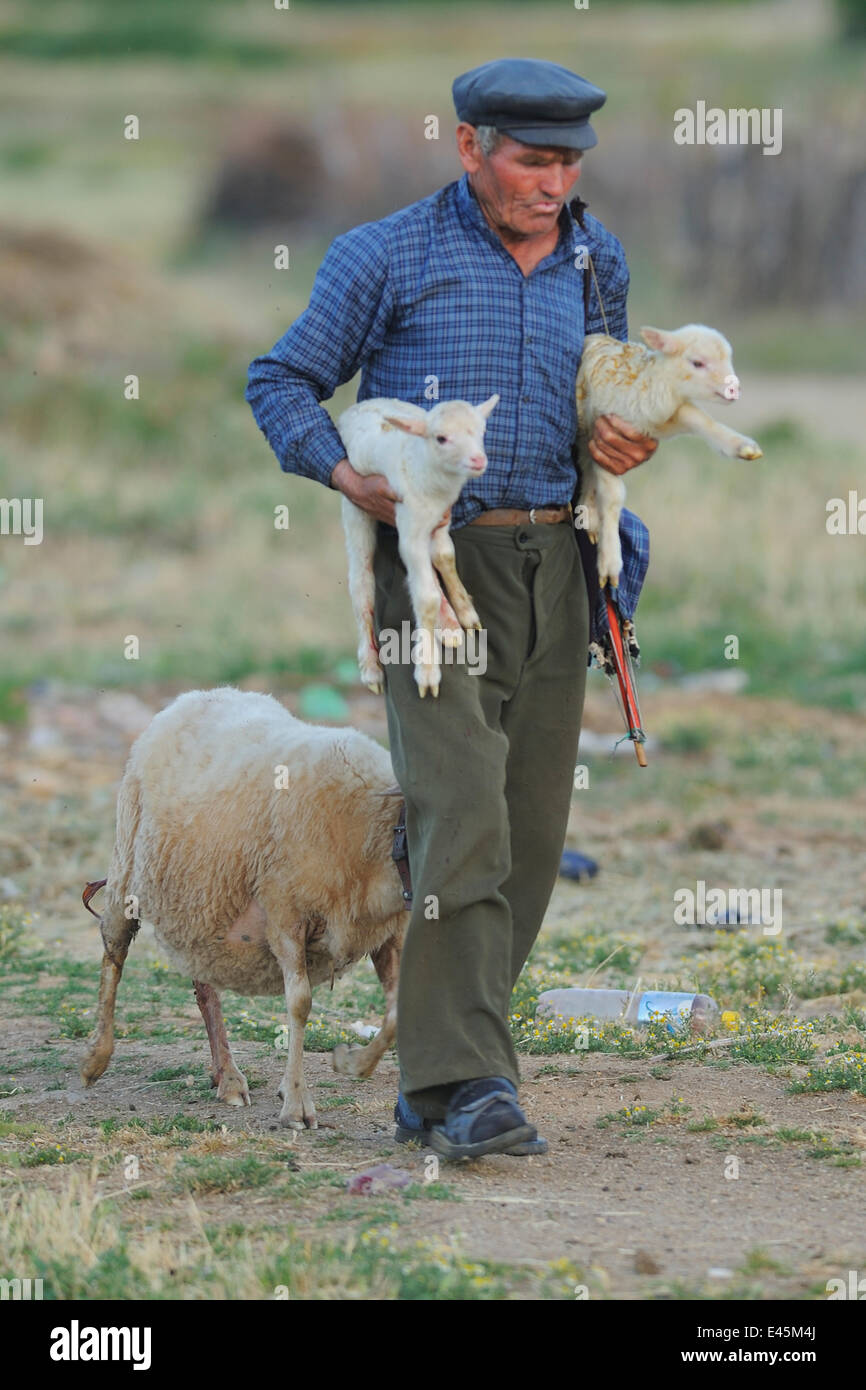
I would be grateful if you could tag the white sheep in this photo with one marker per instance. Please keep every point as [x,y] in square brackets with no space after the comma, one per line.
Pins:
[260,849]
[655,389]
[427,457]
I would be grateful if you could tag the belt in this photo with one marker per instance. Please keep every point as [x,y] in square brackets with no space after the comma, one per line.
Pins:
[511,516]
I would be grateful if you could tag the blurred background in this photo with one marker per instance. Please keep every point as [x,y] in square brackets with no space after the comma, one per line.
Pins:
[155,256]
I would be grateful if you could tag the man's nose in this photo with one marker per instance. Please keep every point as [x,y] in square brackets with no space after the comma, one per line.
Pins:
[558,179]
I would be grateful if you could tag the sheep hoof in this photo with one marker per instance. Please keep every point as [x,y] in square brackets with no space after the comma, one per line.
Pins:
[94,1064]
[375,686]
[422,691]
[350,1061]
[295,1121]
[232,1089]
[749,450]
[452,636]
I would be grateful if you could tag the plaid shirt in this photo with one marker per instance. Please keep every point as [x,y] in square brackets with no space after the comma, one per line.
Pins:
[429,305]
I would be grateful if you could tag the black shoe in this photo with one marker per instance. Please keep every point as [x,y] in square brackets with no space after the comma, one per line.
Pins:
[483,1117]
[412,1128]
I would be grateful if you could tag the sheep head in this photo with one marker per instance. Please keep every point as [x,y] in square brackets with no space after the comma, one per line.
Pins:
[455,434]
[700,359]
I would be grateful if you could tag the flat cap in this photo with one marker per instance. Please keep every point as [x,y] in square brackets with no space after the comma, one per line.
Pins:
[536,102]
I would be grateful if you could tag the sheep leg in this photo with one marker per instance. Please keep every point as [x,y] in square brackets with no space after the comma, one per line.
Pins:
[231,1084]
[690,419]
[362,1061]
[610,491]
[117,943]
[425,595]
[360,532]
[443,558]
[588,497]
[298,1108]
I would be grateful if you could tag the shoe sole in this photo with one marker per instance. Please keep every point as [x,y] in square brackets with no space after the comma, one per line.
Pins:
[527,1149]
[496,1144]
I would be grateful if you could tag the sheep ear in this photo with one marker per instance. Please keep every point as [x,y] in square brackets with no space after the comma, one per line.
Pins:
[660,341]
[486,406]
[410,426]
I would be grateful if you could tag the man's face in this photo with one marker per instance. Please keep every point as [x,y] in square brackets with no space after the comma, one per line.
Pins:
[522,188]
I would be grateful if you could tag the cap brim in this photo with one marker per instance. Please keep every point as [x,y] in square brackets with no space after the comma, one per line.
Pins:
[569,137]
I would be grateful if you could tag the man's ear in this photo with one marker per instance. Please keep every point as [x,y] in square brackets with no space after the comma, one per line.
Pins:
[661,341]
[486,406]
[410,426]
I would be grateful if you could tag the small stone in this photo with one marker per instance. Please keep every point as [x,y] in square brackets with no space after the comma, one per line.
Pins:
[645,1264]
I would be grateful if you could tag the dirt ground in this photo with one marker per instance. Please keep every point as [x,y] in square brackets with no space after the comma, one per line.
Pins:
[639,1210]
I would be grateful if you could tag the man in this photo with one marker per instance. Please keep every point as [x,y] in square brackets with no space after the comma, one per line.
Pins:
[476,290]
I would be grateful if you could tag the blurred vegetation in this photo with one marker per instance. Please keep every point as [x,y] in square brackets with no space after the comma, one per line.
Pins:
[159,513]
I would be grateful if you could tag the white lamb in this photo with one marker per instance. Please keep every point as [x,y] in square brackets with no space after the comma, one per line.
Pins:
[655,389]
[260,849]
[427,457]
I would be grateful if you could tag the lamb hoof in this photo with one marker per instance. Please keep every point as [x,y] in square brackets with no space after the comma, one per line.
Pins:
[375,686]
[593,537]
[452,636]
[428,678]
[749,450]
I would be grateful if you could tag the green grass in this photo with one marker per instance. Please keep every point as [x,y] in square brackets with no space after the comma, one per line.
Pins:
[836,1074]
[202,1176]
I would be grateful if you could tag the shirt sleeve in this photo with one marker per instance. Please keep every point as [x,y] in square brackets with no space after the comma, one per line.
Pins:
[346,321]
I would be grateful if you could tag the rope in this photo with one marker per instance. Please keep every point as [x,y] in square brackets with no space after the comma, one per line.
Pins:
[598,294]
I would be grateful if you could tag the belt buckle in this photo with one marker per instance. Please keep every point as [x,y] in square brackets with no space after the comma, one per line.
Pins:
[532,515]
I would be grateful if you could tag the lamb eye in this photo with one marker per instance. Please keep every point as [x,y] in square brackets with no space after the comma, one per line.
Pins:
[441,439]
[696,362]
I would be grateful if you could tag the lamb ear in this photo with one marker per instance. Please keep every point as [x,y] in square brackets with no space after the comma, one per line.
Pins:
[486,406]
[660,341]
[410,426]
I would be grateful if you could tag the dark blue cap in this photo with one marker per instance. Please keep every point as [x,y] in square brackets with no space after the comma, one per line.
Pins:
[536,102]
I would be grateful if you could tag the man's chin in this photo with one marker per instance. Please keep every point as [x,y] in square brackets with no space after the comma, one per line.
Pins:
[535,221]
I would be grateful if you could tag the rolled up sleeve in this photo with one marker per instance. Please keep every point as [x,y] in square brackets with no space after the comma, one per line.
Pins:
[345,322]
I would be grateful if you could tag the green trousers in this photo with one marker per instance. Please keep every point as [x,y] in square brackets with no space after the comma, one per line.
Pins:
[487,771]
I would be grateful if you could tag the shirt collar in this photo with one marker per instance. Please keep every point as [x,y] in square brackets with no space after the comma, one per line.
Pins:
[472,216]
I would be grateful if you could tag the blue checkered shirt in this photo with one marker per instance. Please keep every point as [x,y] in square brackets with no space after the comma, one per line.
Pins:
[429,305]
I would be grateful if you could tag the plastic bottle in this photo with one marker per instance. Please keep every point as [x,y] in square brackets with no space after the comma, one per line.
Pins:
[630,1008]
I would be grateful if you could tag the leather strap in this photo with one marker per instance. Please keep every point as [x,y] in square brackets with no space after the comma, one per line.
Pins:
[400,855]
[512,516]
[89,890]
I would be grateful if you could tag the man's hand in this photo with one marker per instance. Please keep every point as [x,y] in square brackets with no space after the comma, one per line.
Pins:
[618,446]
[372,493]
